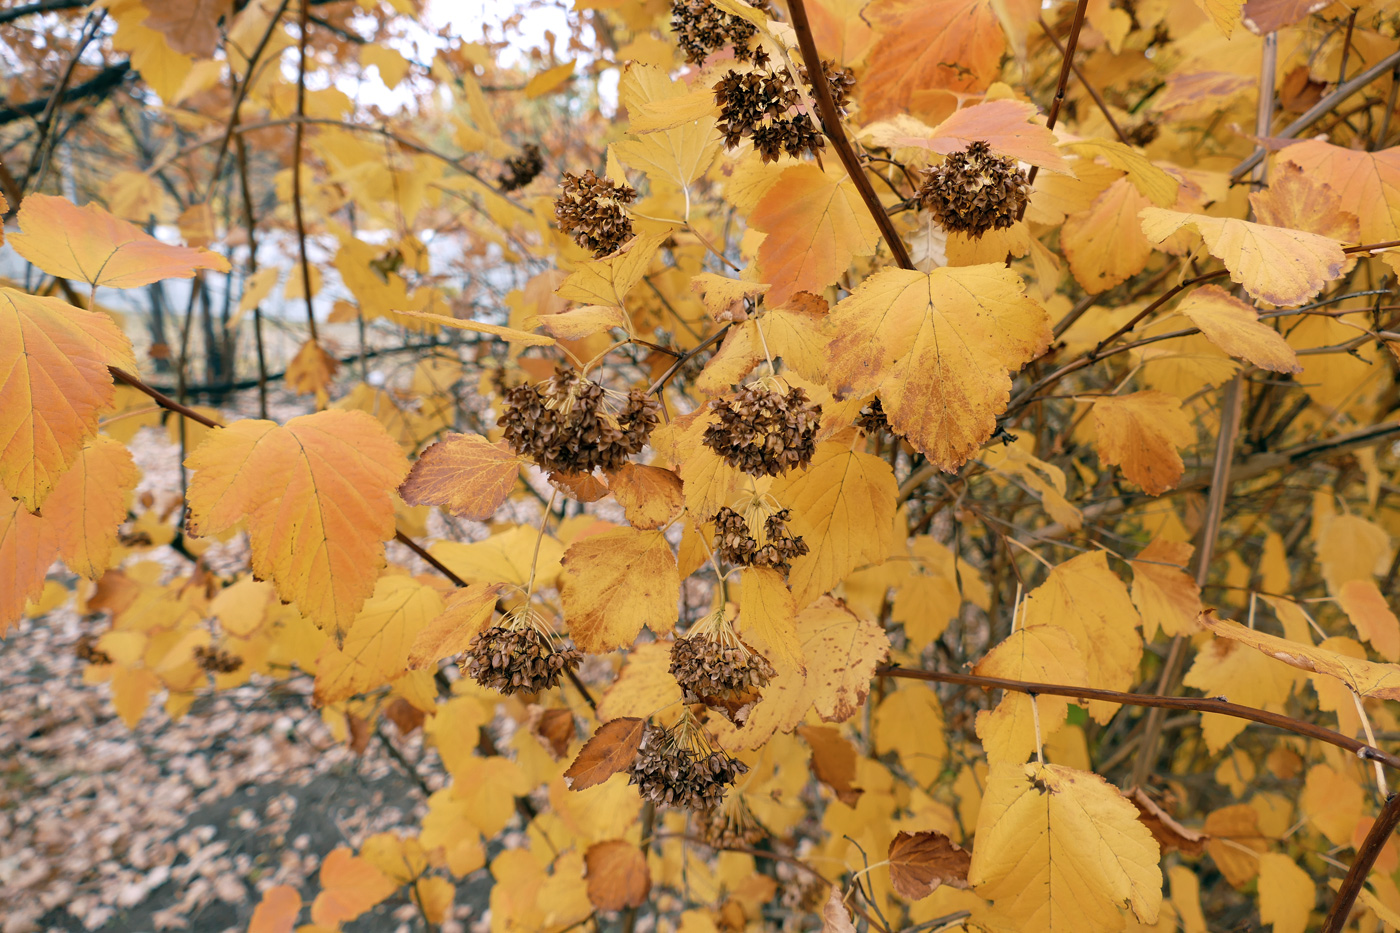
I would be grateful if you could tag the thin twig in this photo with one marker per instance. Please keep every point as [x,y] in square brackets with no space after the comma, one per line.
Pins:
[297,134]
[1093,91]
[1366,857]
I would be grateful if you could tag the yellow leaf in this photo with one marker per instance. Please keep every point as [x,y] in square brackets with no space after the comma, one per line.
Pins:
[435,895]
[909,721]
[376,648]
[645,685]
[393,67]
[256,288]
[350,886]
[1364,677]
[1334,802]
[311,370]
[1234,327]
[487,787]
[1085,598]
[1228,669]
[1274,264]
[549,79]
[28,545]
[1039,654]
[723,298]
[614,583]
[937,347]
[316,496]
[53,383]
[504,557]
[400,858]
[457,323]
[843,507]
[1287,893]
[1165,595]
[768,617]
[607,281]
[842,653]
[678,156]
[464,474]
[1141,432]
[1372,618]
[93,246]
[1155,184]
[656,102]
[90,505]
[1062,850]
[579,323]
[466,614]
[650,496]
[1104,243]
[1007,126]
[816,223]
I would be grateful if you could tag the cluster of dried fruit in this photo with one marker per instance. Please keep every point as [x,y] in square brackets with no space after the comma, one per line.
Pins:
[565,423]
[731,825]
[590,210]
[758,540]
[714,667]
[678,767]
[974,191]
[216,660]
[521,169]
[872,419]
[764,105]
[518,656]
[85,649]
[764,432]
[702,28]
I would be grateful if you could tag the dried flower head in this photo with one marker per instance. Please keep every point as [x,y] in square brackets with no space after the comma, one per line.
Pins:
[714,666]
[757,537]
[216,660]
[85,649]
[521,169]
[590,210]
[872,419]
[764,432]
[839,81]
[573,425]
[519,655]
[974,191]
[731,824]
[702,28]
[764,105]
[678,767]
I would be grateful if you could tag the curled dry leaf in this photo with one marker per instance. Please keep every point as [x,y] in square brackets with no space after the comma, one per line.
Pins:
[835,917]
[612,749]
[921,862]
[1170,834]
[618,876]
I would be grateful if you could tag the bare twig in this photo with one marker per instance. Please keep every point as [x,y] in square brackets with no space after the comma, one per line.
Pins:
[297,134]
[1093,91]
[1366,857]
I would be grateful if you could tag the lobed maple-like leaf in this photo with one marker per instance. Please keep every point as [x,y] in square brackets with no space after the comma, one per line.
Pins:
[1104,243]
[1038,654]
[377,646]
[1061,850]
[90,245]
[611,749]
[1365,182]
[842,652]
[464,474]
[1153,182]
[615,582]
[53,383]
[28,546]
[350,885]
[1234,327]
[316,497]
[1141,432]
[925,44]
[1304,201]
[618,876]
[644,686]
[768,617]
[650,496]
[1162,591]
[310,371]
[1371,616]
[466,613]
[607,281]
[937,348]
[922,862]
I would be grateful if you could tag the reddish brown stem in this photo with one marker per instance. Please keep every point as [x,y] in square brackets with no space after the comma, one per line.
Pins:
[1365,858]
[297,134]
[831,121]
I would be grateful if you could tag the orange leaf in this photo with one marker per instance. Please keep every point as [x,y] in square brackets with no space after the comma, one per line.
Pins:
[1303,201]
[190,27]
[937,348]
[311,370]
[924,44]
[91,504]
[28,545]
[650,496]
[1274,264]
[921,862]
[90,245]
[350,885]
[833,761]
[466,615]
[1104,244]
[816,224]
[614,583]
[611,749]
[1141,432]
[277,911]
[1265,16]
[1365,182]
[1166,596]
[1234,327]
[1006,125]
[53,383]
[1365,605]
[316,496]
[618,876]
[464,474]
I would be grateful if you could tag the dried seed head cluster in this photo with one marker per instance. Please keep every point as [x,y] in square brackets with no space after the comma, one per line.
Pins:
[839,81]
[974,191]
[216,660]
[702,28]
[568,424]
[754,539]
[518,656]
[714,667]
[590,210]
[764,432]
[872,419]
[85,649]
[521,169]
[731,824]
[763,104]
[678,767]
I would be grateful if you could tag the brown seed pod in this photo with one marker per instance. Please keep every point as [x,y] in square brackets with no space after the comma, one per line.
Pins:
[216,660]
[761,539]
[872,419]
[714,667]
[521,169]
[678,767]
[763,105]
[732,824]
[518,656]
[974,191]
[569,425]
[764,432]
[85,649]
[702,28]
[590,210]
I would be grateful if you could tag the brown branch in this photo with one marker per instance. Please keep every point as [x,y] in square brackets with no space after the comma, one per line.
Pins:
[1093,91]
[1200,704]
[38,161]
[1066,64]
[675,367]
[1365,858]
[297,134]
[831,122]
[240,95]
